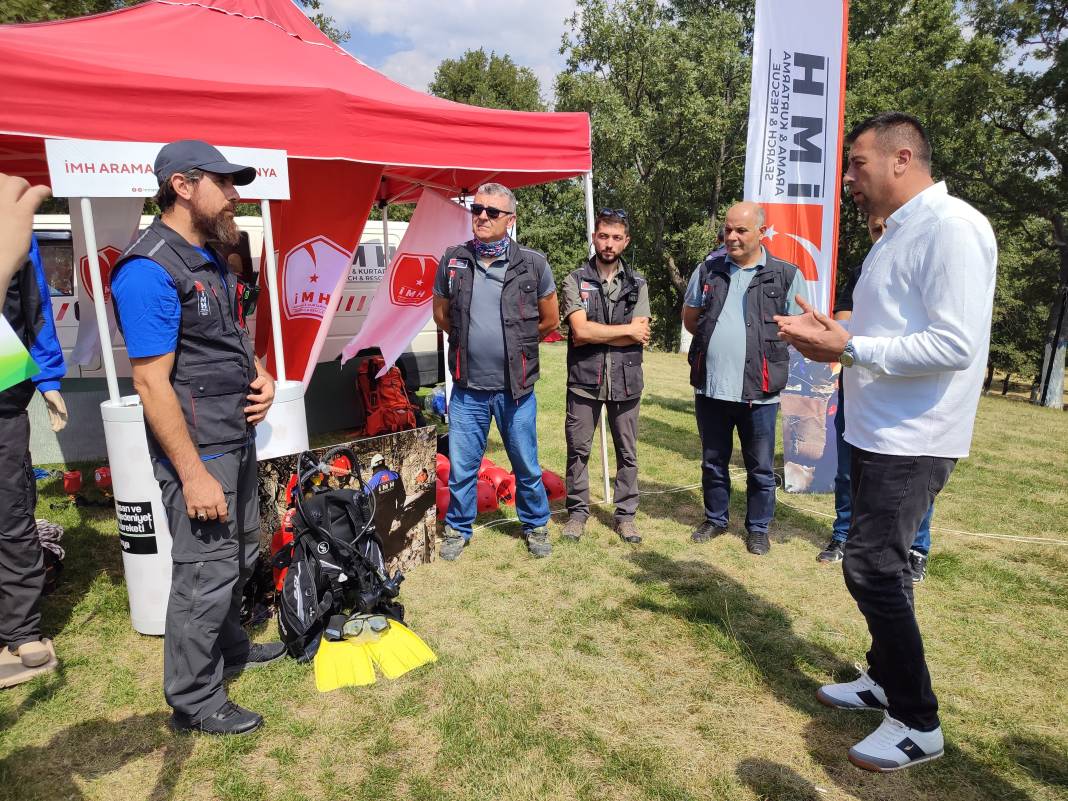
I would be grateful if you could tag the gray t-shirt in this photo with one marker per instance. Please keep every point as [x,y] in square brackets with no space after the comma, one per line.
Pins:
[486,359]
[725,357]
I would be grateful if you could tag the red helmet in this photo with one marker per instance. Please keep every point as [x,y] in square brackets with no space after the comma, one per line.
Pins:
[486,465]
[487,496]
[442,467]
[503,484]
[554,485]
[442,499]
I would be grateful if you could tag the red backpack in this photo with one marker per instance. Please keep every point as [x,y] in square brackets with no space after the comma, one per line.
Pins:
[385,400]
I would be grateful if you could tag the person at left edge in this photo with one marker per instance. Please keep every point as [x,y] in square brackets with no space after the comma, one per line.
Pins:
[27,308]
[496,301]
[203,391]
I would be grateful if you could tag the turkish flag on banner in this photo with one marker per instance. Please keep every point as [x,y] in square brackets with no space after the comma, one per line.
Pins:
[316,232]
[402,303]
[115,220]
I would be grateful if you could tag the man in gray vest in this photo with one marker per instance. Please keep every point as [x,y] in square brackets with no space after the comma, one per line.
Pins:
[203,391]
[495,300]
[738,366]
[606,305]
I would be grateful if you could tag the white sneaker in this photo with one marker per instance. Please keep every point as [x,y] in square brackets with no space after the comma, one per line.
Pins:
[894,746]
[863,693]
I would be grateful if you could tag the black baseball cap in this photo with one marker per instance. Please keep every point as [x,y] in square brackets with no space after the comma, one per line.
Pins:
[189,154]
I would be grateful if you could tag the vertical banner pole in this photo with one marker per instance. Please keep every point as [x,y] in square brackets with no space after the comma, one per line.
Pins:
[106,353]
[272,289]
[385,238]
[588,185]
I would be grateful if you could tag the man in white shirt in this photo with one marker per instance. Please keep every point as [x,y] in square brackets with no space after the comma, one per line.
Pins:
[914,357]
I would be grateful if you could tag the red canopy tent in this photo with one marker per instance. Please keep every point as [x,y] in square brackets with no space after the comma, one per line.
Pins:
[258,73]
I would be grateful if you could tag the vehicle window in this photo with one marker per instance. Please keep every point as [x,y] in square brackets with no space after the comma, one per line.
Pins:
[57,257]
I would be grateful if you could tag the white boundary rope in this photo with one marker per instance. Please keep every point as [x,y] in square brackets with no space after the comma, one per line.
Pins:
[740,471]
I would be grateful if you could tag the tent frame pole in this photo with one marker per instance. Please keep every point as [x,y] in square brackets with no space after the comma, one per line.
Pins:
[590,226]
[272,291]
[107,355]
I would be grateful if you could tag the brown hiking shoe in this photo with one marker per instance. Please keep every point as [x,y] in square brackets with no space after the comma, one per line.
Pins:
[628,532]
[33,654]
[573,528]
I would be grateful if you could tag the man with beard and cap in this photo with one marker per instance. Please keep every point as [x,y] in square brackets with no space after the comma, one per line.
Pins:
[203,391]
[606,305]
[496,300]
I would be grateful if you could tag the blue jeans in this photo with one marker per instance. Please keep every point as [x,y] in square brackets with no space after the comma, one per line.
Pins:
[843,506]
[470,411]
[716,421]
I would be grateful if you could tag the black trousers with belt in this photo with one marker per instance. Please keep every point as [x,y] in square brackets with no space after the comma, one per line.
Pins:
[891,495]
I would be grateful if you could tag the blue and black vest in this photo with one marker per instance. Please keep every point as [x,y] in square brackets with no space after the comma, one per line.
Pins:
[214,361]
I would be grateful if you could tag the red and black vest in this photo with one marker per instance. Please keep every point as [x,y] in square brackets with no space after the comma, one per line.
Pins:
[586,363]
[519,313]
[767,358]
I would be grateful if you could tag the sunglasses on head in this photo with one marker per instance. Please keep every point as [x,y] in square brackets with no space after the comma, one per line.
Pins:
[491,212]
[621,213]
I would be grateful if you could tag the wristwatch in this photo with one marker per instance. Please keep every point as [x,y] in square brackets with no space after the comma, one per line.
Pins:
[849,355]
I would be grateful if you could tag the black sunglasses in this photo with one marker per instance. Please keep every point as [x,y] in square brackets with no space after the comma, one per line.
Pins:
[491,212]
[621,213]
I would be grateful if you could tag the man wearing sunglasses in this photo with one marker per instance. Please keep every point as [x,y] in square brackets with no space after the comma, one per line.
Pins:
[606,305]
[738,366]
[203,391]
[496,301]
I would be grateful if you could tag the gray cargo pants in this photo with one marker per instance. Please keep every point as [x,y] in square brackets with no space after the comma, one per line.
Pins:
[582,416]
[212,561]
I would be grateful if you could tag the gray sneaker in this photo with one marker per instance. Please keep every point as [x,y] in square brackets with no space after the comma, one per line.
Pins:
[538,542]
[628,531]
[573,528]
[452,546]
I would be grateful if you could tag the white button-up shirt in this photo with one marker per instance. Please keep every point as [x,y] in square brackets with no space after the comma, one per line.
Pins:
[921,330]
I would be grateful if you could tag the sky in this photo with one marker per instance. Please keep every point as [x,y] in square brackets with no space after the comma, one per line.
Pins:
[407,39]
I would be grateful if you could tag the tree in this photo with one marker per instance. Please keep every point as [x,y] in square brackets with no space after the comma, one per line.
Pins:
[325,22]
[668,97]
[1033,115]
[490,81]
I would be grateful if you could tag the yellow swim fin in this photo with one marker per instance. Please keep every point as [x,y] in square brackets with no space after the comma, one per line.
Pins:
[342,664]
[398,650]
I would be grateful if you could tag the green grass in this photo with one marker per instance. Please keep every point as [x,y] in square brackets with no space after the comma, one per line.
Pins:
[669,671]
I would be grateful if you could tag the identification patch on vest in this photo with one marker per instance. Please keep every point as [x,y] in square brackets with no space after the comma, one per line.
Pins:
[202,300]
[586,286]
[459,264]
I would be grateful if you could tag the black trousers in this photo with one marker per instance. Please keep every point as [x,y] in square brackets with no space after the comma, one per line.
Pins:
[212,561]
[21,557]
[891,495]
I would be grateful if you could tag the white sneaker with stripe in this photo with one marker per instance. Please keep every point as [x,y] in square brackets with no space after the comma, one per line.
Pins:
[862,693]
[894,746]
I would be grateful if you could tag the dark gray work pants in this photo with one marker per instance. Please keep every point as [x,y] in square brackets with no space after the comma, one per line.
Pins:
[582,417]
[21,558]
[212,561]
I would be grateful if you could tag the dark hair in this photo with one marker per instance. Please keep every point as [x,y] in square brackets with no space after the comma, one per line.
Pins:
[612,217]
[904,130]
[166,197]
